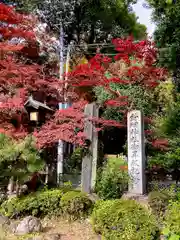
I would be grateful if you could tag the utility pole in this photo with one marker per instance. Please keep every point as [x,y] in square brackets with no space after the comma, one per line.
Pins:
[67,69]
[63,105]
[60,150]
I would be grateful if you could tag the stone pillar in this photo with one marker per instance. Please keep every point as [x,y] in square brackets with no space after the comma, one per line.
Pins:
[60,159]
[89,163]
[10,186]
[136,153]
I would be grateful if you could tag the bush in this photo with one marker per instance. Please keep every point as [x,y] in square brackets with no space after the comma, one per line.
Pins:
[172,221]
[159,200]
[19,159]
[37,204]
[72,204]
[167,162]
[73,163]
[113,179]
[76,205]
[124,219]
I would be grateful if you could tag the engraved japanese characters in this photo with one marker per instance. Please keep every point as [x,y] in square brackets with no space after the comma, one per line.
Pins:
[136,152]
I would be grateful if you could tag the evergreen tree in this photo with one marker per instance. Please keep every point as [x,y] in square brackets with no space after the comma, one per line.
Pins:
[18,159]
[166,15]
[90,21]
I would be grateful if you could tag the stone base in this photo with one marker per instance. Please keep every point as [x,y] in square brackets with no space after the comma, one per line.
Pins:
[142,199]
[11,195]
[94,197]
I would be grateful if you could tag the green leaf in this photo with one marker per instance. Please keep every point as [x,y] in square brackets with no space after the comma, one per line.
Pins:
[169,1]
[166,232]
[174,237]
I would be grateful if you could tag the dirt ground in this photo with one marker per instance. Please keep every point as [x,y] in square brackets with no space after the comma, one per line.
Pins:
[68,231]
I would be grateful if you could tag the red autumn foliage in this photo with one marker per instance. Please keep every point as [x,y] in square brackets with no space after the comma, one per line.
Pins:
[8,15]
[139,69]
[160,144]
[67,124]
[19,80]
[134,64]
[124,167]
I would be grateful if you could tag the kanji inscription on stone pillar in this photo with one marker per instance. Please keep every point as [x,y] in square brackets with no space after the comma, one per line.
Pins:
[136,152]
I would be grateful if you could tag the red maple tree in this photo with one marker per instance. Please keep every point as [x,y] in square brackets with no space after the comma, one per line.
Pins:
[133,64]
[19,78]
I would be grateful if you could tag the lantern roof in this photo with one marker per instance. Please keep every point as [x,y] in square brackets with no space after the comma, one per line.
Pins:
[36,104]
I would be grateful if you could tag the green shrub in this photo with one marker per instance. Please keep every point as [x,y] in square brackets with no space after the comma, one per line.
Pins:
[124,219]
[172,220]
[75,205]
[113,179]
[74,162]
[167,162]
[159,200]
[168,235]
[19,159]
[37,204]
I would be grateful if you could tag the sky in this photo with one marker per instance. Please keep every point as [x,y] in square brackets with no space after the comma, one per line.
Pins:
[144,16]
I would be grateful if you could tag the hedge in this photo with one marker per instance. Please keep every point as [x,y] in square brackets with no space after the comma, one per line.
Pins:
[172,221]
[124,219]
[53,202]
[75,205]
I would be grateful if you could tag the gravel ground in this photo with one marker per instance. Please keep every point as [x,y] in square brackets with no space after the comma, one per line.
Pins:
[70,231]
[67,230]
